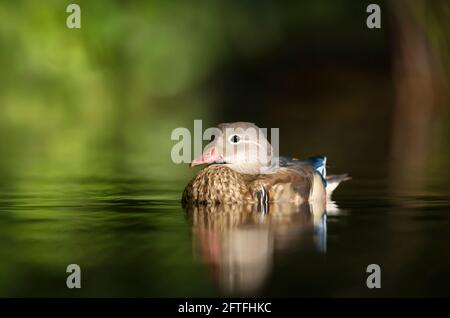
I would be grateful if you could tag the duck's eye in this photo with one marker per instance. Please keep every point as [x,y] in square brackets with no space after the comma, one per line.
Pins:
[235,139]
[212,138]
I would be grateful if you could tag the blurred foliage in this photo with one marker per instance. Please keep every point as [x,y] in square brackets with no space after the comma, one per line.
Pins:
[435,17]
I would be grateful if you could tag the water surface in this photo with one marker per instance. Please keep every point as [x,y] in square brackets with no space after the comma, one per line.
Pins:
[131,237]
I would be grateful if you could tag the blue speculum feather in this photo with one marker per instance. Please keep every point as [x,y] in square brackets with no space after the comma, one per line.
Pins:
[319,164]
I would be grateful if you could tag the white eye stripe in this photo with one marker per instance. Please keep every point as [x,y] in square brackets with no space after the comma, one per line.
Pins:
[252,142]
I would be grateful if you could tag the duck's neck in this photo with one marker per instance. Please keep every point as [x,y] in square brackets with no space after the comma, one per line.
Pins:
[249,168]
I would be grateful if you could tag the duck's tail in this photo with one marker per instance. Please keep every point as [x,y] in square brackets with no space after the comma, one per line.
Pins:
[334,180]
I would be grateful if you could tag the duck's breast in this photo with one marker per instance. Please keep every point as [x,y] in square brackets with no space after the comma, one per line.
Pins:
[216,184]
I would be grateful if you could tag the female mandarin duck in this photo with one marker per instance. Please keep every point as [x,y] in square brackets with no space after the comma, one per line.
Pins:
[242,169]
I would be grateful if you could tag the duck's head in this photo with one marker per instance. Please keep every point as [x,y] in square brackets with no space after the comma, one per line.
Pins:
[240,146]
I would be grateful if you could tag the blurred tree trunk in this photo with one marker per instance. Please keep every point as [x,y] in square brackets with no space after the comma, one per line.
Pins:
[418,79]
[418,92]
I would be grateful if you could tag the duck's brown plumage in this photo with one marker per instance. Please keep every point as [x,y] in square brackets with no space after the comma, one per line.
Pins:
[219,184]
[216,184]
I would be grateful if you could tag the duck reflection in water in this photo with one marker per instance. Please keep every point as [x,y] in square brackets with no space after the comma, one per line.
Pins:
[240,242]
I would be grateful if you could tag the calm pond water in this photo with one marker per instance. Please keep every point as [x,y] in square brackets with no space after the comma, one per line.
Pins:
[131,237]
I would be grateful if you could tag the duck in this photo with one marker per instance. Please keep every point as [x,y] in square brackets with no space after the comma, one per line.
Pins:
[241,168]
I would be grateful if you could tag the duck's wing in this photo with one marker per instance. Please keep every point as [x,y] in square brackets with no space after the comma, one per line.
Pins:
[317,164]
[293,180]
[290,181]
